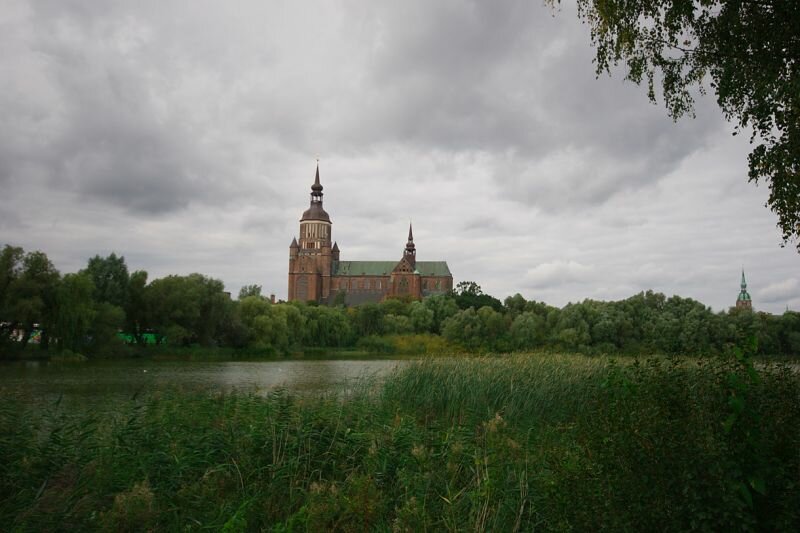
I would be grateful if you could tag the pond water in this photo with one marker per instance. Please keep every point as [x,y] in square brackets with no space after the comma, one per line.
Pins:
[96,383]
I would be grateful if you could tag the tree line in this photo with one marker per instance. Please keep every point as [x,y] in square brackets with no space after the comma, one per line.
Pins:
[84,312]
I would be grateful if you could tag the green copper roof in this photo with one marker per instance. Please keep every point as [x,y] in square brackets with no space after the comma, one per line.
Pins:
[384,268]
[433,268]
[357,268]
[743,294]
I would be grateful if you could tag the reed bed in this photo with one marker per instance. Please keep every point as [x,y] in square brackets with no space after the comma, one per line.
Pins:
[505,443]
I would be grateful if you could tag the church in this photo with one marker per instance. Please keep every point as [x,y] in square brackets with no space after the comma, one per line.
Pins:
[317,274]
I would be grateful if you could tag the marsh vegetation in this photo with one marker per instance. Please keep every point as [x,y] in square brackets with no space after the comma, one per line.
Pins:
[505,443]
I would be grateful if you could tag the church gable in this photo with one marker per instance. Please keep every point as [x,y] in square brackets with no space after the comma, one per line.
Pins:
[403,267]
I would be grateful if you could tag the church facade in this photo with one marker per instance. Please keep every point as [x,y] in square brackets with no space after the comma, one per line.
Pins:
[316,272]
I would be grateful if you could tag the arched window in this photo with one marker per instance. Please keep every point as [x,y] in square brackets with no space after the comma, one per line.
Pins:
[302,288]
[403,288]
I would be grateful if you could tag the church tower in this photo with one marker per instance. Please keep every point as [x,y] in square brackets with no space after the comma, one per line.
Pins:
[743,300]
[310,257]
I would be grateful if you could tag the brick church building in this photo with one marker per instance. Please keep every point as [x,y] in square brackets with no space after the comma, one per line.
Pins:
[316,273]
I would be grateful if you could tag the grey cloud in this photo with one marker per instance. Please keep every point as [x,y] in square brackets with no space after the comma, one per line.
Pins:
[556,272]
[509,80]
[780,291]
[104,128]
[190,132]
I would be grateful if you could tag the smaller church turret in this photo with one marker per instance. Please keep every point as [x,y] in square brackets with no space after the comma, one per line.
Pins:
[743,301]
[410,253]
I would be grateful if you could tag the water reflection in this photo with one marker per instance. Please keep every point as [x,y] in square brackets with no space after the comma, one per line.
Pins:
[96,382]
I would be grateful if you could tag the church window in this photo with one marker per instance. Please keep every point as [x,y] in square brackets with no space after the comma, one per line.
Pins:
[403,285]
[302,288]
[438,284]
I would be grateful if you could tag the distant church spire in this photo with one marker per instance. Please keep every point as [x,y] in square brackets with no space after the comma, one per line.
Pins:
[743,300]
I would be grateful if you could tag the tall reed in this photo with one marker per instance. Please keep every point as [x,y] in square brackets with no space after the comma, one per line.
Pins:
[507,443]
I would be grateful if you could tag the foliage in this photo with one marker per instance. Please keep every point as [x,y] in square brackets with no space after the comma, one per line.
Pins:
[108,321]
[397,324]
[443,306]
[516,443]
[136,306]
[367,319]
[10,271]
[186,309]
[481,330]
[110,278]
[249,290]
[408,344]
[747,48]
[182,311]
[74,312]
[421,317]
[30,295]
[528,330]
[469,294]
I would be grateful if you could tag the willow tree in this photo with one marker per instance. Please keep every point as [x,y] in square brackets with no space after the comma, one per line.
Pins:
[747,51]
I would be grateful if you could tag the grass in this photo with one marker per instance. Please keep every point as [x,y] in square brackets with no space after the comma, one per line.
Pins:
[508,443]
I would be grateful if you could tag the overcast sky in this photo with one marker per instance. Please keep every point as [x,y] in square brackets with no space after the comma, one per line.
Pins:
[183,135]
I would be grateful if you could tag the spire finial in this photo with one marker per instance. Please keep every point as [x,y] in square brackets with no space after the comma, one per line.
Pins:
[316,189]
[410,233]
[744,282]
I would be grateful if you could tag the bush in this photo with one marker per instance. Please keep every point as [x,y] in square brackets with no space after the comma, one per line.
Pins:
[376,344]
